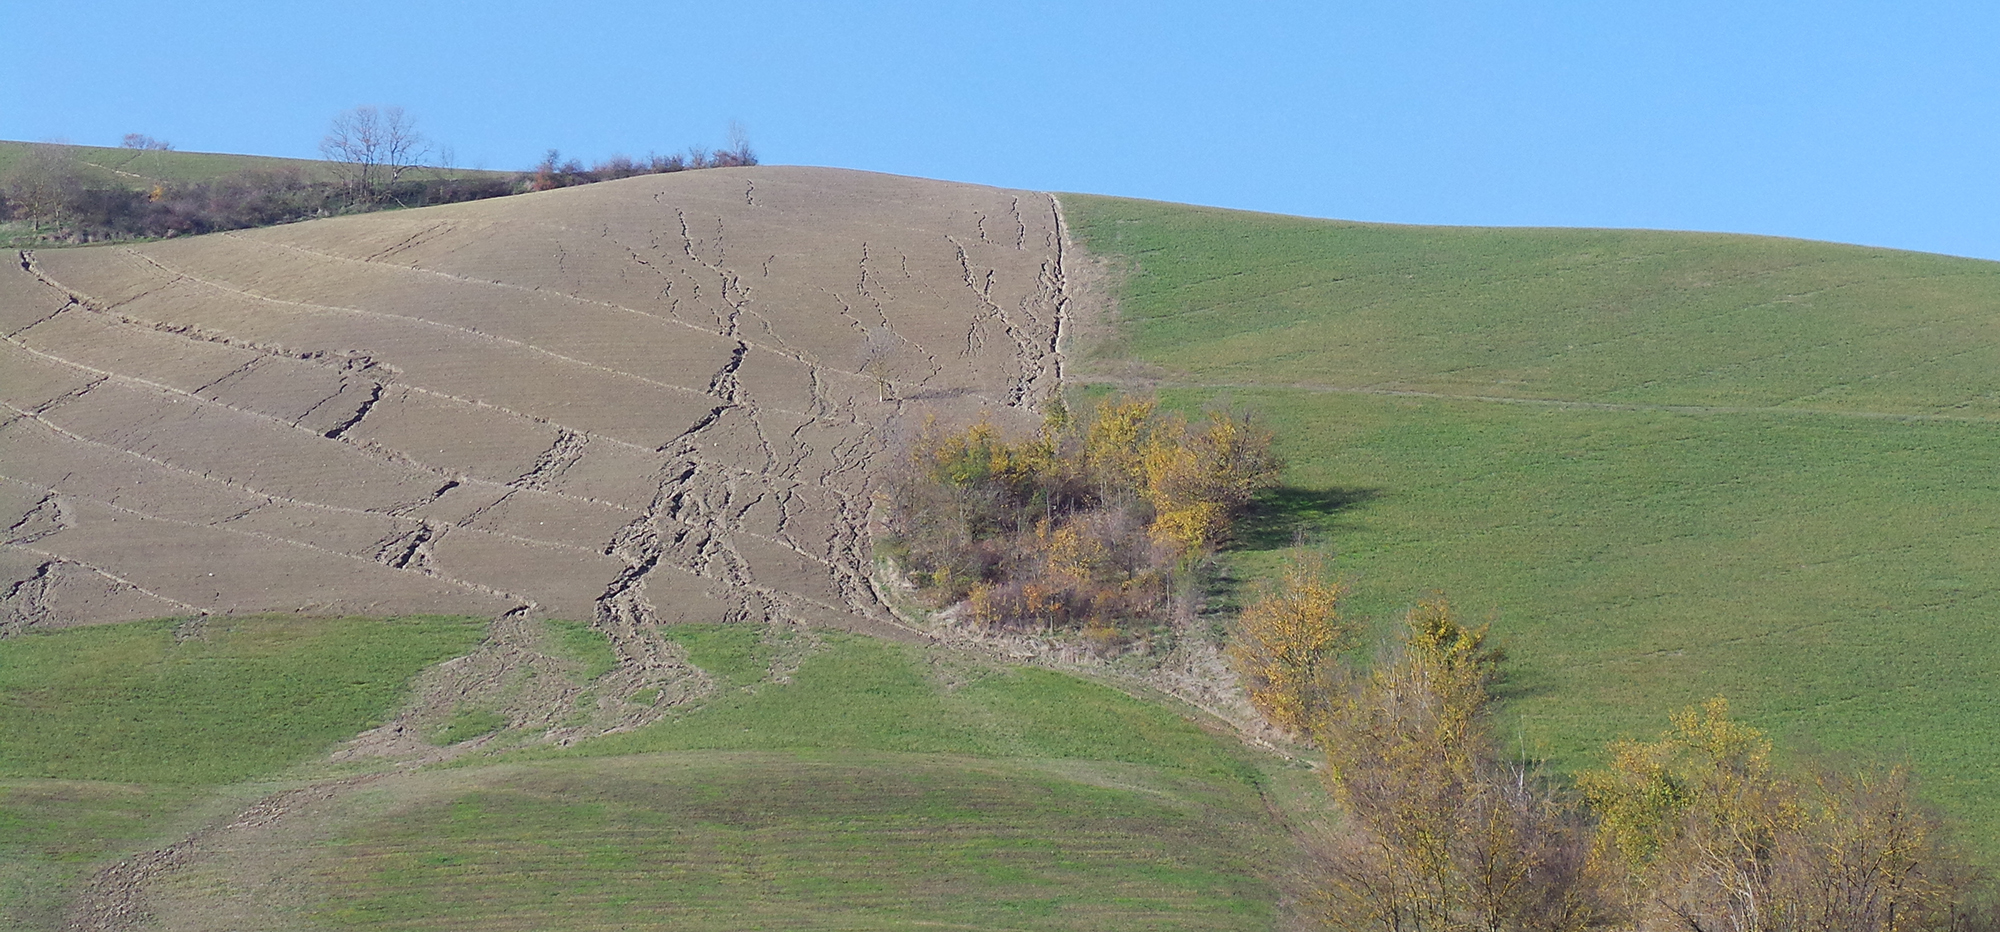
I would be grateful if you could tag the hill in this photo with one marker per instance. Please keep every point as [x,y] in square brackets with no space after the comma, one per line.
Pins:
[1665,465]
[596,416]
[638,398]
[143,168]
[613,450]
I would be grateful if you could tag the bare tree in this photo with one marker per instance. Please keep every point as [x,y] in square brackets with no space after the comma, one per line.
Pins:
[739,151]
[878,350]
[371,148]
[45,184]
[143,141]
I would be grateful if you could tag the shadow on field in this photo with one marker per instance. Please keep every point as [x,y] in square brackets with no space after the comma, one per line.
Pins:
[1286,515]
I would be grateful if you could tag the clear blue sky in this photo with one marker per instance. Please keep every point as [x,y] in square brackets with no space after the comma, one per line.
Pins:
[1874,123]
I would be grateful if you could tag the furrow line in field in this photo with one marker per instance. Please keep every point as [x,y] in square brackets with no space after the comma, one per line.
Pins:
[317,355]
[520,288]
[420,567]
[49,512]
[1057,279]
[96,305]
[374,452]
[421,321]
[107,574]
[861,288]
[268,497]
[770,329]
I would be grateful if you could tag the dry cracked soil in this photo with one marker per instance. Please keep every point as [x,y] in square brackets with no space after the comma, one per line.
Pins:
[628,403]
[664,399]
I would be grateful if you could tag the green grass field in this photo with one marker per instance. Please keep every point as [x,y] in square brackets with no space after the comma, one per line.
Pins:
[880,787]
[143,168]
[746,840]
[1664,465]
[864,785]
[115,737]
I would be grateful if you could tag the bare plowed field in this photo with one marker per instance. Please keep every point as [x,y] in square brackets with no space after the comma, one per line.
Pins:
[628,403]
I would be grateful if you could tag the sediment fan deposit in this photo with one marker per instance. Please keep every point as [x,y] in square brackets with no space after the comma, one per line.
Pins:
[630,403]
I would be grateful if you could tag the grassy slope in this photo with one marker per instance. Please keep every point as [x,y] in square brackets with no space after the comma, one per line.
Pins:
[741,840]
[1766,474]
[143,168]
[111,737]
[867,785]
[140,168]
[876,786]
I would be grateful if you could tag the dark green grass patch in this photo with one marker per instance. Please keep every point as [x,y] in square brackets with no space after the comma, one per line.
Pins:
[709,840]
[229,699]
[1831,572]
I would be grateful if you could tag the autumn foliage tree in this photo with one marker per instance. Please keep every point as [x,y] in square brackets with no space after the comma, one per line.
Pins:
[1443,833]
[1287,647]
[1700,830]
[1088,525]
[1711,836]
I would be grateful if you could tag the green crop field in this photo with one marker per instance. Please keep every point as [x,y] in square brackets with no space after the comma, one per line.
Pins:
[115,737]
[878,786]
[866,785]
[1664,465]
[736,840]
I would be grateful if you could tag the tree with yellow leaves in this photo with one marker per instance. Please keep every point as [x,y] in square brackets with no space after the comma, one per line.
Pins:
[1711,836]
[1442,834]
[1090,523]
[1287,647]
[1196,479]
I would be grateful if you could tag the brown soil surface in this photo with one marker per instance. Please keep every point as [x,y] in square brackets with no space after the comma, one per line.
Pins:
[628,403]
[633,403]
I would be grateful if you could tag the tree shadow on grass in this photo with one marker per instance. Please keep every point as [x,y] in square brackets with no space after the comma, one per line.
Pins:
[1287,515]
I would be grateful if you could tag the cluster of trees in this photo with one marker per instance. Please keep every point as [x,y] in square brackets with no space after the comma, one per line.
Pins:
[1096,524]
[1697,831]
[376,158]
[63,201]
[554,171]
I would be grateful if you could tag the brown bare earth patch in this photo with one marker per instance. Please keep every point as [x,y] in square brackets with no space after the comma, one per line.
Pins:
[629,403]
